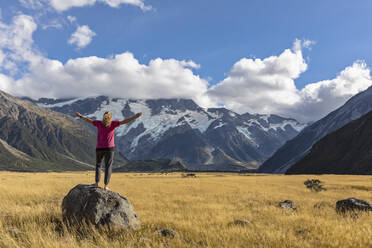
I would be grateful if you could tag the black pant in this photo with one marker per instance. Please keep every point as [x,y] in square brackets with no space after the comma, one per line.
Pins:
[108,155]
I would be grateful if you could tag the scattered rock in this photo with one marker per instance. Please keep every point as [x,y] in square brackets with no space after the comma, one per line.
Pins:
[189,175]
[202,243]
[144,240]
[352,204]
[6,215]
[287,204]
[302,232]
[322,204]
[144,243]
[93,205]
[314,185]
[166,233]
[57,199]
[58,224]
[14,231]
[240,222]
[252,202]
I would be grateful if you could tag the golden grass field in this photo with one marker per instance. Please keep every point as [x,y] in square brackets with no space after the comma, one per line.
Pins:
[198,209]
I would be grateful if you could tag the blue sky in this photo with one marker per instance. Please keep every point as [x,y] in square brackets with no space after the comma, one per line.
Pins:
[215,35]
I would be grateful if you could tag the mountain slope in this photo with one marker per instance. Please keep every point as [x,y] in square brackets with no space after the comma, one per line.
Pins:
[298,147]
[35,138]
[345,151]
[178,129]
[12,159]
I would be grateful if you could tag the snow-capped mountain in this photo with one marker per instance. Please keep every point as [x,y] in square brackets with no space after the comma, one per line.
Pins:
[179,129]
[299,147]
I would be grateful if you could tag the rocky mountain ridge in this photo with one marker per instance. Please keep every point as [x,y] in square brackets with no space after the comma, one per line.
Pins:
[39,139]
[178,129]
[348,150]
[298,147]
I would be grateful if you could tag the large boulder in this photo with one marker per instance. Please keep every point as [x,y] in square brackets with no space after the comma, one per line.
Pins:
[352,204]
[288,204]
[93,205]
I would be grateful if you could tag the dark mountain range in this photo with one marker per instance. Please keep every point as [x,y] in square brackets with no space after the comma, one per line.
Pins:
[348,150]
[34,138]
[298,147]
[153,165]
[180,130]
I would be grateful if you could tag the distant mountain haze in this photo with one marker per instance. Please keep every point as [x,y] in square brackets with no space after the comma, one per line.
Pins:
[180,130]
[298,147]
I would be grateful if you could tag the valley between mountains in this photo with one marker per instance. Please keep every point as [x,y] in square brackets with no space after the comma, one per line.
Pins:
[175,135]
[43,135]
[180,130]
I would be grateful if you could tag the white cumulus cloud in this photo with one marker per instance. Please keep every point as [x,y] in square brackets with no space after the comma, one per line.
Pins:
[308,43]
[258,85]
[6,83]
[52,24]
[71,19]
[320,98]
[82,36]
[33,4]
[119,76]
[62,5]
[16,44]
[253,85]
[268,86]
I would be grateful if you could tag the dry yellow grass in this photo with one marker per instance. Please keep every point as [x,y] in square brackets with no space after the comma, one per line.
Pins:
[198,209]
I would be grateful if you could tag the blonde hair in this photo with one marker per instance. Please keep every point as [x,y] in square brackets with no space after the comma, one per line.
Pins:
[107,118]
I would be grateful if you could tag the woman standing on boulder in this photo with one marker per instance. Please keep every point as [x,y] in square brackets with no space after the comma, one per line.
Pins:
[105,143]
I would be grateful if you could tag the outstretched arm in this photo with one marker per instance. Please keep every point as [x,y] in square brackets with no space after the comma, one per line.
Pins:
[84,118]
[130,119]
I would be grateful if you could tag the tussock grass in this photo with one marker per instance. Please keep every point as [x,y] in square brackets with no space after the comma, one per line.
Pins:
[199,209]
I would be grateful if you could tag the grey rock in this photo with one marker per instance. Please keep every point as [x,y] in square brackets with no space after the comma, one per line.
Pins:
[314,185]
[189,175]
[288,204]
[240,222]
[57,199]
[165,232]
[352,204]
[322,204]
[6,215]
[14,231]
[302,232]
[93,205]
[145,243]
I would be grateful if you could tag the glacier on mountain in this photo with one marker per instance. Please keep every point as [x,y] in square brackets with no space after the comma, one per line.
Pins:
[202,135]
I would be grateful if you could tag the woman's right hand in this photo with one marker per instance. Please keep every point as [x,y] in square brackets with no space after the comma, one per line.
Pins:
[138,114]
[78,114]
